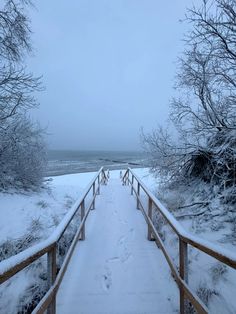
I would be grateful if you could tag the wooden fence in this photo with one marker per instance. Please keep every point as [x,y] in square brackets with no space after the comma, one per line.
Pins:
[185,239]
[14,264]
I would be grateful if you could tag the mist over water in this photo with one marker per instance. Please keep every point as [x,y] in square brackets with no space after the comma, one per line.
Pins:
[67,161]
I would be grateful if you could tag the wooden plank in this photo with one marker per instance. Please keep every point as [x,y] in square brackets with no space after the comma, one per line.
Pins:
[132,185]
[124,177]
[138,194]
[149,236]
[93,196]
[82,209]
[183,271]
[128,181]
[98,190]
[183,260]
[52,272]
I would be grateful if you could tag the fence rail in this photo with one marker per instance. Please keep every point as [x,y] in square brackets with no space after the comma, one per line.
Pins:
[14,264]
[185,239]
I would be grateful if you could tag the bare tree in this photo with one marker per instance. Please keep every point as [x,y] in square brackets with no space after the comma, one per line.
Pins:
[16,85]
[22,151]
[204,114]
[208,67]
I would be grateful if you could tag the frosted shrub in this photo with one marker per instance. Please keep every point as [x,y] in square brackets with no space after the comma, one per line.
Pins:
[159,222]
[36,276]
[218,272]
[66,239]
[14,246]
[22,155]
[42,204]
[31,297]
[205,293]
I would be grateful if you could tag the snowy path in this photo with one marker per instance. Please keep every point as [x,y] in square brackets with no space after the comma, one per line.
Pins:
[116,270]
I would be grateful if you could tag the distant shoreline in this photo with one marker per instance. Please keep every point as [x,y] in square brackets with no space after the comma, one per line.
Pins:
[69,162]
[63,173]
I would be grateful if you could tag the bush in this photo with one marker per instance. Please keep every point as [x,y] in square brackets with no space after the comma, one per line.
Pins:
[22,154]
[216,162]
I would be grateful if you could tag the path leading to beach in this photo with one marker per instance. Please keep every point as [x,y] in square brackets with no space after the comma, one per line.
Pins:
[116,269]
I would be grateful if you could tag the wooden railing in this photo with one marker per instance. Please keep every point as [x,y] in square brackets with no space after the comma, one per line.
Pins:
[185,239]
[14,264]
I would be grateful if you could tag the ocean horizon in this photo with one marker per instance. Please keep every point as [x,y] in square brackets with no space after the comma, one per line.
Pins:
[60,162]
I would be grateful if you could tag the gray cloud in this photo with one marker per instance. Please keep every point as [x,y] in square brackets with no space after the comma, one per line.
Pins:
[108,68]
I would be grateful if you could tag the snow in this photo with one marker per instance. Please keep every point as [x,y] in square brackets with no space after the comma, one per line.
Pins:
[179,228]
[19,210]
[51,204]
[219,293]
[116,269]
[212,280]
[16,259]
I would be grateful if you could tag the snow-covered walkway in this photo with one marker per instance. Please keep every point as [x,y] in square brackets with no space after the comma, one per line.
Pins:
[116,270]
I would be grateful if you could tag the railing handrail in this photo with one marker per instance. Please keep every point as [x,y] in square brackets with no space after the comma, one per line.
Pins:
[185,238]
[206,246]
[16,263]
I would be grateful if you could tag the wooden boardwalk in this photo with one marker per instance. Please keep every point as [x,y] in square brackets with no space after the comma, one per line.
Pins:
[116,269]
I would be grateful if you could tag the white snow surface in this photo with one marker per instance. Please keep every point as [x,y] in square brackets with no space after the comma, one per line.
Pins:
[33,214]
[37,214]
[18,210]
[183,231]
[16,259]
[116,269]
[51,204]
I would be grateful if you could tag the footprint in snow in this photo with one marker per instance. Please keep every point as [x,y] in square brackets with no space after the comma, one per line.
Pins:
[132,232]
[126,257]
[106,279]
[113,259]
[121,240]
[124,222]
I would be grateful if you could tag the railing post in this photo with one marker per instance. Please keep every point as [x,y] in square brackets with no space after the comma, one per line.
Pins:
[150,238]
[99,184]
[127,178]
[82,235]
[93,195]
[183,271]
[105,177]
[52,272]
[132,182]
[138,194]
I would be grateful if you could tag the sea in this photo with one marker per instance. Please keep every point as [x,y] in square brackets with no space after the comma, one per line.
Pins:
[68,161]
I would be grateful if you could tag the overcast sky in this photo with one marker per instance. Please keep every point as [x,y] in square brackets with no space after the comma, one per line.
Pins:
[108,67]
